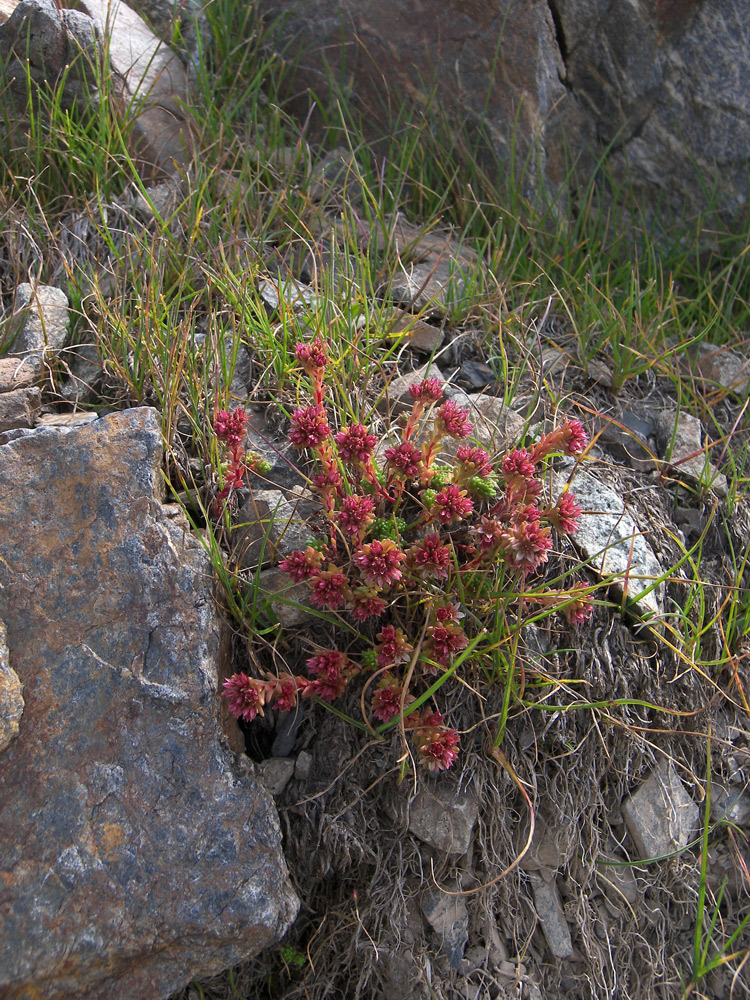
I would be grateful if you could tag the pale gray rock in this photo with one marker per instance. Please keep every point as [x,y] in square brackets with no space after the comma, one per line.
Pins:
[11,696]
[660,815]
[680,440]
[45,326]
[153,89]
[550,912]
[611,539]
[496,426]
[303,765]
[288,602]
[723,368]
[443,816]
[137,851]
[270,526]
[449,919]
[284,293]
[276,773]
[396,398]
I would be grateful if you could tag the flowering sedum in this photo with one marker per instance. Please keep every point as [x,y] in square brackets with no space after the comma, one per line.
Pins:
[410,545]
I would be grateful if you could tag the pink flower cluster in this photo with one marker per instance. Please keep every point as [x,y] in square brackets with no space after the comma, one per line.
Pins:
[404,540]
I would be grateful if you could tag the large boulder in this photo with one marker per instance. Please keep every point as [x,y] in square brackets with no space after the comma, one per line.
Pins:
[659,87]
[136,850]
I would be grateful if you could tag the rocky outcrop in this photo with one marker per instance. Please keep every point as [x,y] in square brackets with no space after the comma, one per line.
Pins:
[136,851]
[658,87]
[149,80]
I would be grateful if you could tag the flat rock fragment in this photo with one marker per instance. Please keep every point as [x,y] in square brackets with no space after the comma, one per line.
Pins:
[660,815]
[136,851]
[609,537]
[444,817]
[551,917]
[449,918]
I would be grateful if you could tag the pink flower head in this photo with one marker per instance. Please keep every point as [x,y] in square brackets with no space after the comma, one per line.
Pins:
[475,461]
[366,604]
[428,557]
[230,427]
[445,641]
[575,437]
[328,480]
[518,464]
[393,646]
[355,443]
[313,355]
[526,545]
[404,457]
[246,695]
[386,701]
[437,747]
[452,504]
[579,610]
[356,515]
[379,562]
[564,515]
[332,671]
[285,694]
[302,564]
[447,612]
[428,391]
[309,427]
[452,420]
[489,533]
[329,589]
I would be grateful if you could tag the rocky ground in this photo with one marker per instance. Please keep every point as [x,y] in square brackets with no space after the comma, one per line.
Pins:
[575,859]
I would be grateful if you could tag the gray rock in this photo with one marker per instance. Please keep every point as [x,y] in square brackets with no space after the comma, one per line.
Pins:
[680,441]
[625,437]
[141,852]
[609,537]
[657,90]
[48,42]
[288,602]
[443,816]
[303,765]
[19,408]
[660,816]
[11,695]
[276,773]
[85,368]
[723,368]
[270,526]
[496,426]
[284,292]
[414,332]
[45,327]
[448,917]
[153,89]
[550,912]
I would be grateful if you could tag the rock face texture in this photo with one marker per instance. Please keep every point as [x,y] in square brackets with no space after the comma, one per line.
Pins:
[661,86]
[135,850]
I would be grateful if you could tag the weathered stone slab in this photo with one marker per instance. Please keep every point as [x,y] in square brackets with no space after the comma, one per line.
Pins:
[449,918]
[135,851]
[609,537]
[444,817]
[18,408]
[551,917]
[660,815]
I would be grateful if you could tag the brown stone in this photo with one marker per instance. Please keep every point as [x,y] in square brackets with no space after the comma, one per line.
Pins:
[18,408]
[136,851]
